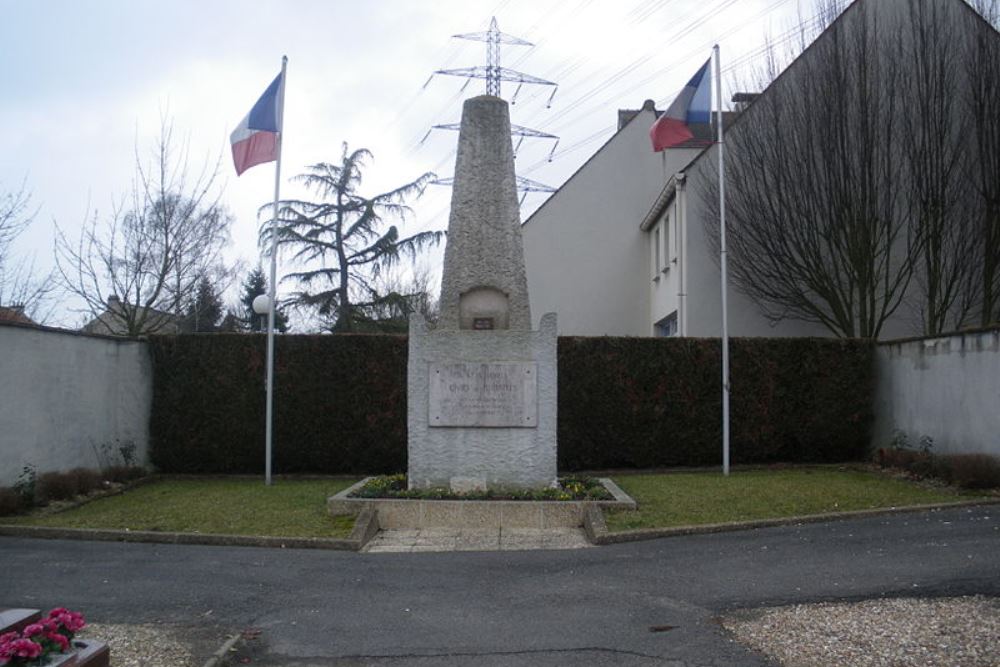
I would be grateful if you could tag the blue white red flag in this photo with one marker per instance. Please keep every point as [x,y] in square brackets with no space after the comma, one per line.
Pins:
[255,140]
[693,105]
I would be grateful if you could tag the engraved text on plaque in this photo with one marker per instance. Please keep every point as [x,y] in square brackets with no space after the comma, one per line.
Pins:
[485,394]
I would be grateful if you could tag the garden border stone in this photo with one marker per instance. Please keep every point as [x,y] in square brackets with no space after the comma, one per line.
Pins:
[598,533]
[414,513]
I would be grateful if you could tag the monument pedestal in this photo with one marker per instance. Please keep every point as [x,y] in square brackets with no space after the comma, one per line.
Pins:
[482,407]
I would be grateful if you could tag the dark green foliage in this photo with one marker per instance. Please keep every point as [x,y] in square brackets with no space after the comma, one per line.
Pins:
[570,488]
[204,312]
[255,285]
[655,402]
[344,246]
[339,404]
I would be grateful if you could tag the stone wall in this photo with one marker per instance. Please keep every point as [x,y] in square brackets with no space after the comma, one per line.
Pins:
[947,388]
[64,396]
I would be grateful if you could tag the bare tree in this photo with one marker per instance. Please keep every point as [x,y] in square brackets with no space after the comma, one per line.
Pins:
[140,266]
[982,101]
[20,286]
[817,229]
[935,131]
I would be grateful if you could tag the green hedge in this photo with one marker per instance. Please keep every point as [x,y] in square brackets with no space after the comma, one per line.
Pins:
[340,402]
[654,402]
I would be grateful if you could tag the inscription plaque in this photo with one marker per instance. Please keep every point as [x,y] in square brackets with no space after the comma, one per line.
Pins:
[483,394]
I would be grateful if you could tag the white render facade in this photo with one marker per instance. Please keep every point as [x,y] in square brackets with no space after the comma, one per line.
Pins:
[583,253]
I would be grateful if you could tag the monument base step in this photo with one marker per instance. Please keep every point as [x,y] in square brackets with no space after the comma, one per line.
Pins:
[418,514]
[445,539]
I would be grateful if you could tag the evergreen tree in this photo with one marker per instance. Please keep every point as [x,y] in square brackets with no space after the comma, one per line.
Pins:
[254,286]
[344,243]
[204,313]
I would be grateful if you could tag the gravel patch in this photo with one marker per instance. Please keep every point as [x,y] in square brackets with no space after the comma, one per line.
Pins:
[141,645]
[958,632]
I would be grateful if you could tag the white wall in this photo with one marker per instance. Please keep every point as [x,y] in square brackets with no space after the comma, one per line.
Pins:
[947,388]
[63,394]
[584,254]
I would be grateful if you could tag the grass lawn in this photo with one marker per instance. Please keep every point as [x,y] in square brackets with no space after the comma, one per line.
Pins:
[234,507]
[682,499]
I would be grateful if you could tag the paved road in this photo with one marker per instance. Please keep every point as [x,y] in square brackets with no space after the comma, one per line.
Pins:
[579,607]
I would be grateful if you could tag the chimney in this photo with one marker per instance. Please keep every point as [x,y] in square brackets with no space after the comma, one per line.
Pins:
[742,100]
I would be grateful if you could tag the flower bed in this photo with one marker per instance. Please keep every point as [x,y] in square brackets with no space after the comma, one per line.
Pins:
[569,488]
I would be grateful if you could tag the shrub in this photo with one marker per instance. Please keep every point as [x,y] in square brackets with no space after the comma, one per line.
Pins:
[54,486]
[10,501]
[974,471]
[86,480]
[122,474]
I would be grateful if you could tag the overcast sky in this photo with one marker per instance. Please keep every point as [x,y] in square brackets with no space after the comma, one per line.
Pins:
[83,82]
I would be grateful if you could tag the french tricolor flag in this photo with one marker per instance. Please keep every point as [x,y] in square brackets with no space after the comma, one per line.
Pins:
[693,105]
[255,140]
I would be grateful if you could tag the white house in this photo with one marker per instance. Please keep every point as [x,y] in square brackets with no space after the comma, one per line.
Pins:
[621,248]
[583,251]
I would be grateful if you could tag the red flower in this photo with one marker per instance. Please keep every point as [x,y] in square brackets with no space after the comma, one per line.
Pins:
[71,620]
[24,648]
[59,639]
[33,629]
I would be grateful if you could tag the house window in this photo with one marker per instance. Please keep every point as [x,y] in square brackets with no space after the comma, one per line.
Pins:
[666,327]
[655,259]
[666,244]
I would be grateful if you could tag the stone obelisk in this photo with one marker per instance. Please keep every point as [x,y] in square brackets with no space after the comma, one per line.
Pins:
[482,384]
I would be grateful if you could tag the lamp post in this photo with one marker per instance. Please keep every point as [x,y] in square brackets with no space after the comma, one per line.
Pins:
[262,306]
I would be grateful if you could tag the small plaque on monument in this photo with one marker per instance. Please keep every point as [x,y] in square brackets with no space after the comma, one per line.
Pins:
[484,394]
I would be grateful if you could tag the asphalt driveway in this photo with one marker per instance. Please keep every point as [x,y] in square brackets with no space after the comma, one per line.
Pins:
[646,603]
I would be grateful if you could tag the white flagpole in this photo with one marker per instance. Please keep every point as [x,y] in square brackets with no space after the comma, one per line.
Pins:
[272,285]
[722,262]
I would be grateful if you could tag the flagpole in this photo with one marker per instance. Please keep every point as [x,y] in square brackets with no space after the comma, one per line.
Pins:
[722,262]
[272,285]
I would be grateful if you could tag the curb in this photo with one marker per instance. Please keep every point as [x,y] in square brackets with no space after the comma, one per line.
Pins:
[211,539]
[597,530]
[220,655]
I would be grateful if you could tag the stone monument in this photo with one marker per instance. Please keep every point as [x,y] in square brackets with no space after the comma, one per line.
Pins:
[482,384]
